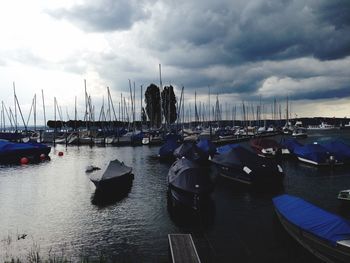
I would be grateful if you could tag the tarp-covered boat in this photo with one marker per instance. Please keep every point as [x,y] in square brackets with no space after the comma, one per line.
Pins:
[240,164]
[11,152]
[339,149]
[324,234]
[190,151]
[207,146]
[315,154]
[189,184]
[167,149]
[116,175]
[290,144]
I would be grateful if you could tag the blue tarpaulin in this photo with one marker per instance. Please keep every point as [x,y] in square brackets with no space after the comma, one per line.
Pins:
[313,152]
[339,149]
[167,149]
[290,144]
[310,218]
[207,146]
[226,148]
[6,146]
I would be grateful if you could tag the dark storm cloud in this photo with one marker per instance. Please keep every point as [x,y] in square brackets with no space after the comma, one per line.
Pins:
[249,48]
[105,15]
[237,31]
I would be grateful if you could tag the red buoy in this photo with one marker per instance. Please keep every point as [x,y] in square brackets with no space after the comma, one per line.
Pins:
[24,160]
[42,156]
[60,153]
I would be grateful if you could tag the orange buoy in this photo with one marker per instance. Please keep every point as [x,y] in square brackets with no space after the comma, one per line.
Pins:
[42,156]
[60,153]
[24,160]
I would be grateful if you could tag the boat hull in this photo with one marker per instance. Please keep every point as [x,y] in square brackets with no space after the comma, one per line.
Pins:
[254,180]
[114,184]
[188,200]
[32,154]
[315,245]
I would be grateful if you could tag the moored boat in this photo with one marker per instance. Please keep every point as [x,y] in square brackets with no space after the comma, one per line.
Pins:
[299,132]
[190,151]
[315,154]
[189,184]
[324,234]
[323,126]
[11,152]
[116,176]
[167,149]
[241,165]
[339,149]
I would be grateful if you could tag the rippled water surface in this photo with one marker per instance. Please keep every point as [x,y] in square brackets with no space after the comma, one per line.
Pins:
[55,205]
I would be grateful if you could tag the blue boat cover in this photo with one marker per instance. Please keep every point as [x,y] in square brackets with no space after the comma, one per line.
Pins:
[313,152]
[6,146]
[338,148]
[207,146]
[226,148]
[290,144]
[310,218]
[191,151]
[167,149]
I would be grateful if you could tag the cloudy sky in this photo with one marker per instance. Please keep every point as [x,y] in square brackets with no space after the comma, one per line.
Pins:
[244,50]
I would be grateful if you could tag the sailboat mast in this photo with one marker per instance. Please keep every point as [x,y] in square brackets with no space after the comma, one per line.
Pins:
[14,98]
[43,99]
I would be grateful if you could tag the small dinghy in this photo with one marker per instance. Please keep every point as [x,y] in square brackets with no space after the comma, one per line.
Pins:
[116,175]
[189,184]
[324,234]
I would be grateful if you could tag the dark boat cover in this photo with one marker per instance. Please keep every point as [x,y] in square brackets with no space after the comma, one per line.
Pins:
[310,218]
[168,148]
[189,176]
[191,152]
[290,144]
[313,152]
[7,147]
[11,136]
[234,155]
[207,146]
[338,148]
[226,148]
[115,169]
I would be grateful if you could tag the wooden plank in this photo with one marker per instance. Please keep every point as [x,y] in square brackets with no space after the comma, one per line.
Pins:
[183,249]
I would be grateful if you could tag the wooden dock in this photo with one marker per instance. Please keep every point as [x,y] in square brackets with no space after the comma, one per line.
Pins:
[183,249]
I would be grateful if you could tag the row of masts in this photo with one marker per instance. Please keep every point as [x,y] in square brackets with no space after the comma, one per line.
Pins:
[203,113]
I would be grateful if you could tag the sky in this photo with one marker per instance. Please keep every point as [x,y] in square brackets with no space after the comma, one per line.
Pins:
[242,50]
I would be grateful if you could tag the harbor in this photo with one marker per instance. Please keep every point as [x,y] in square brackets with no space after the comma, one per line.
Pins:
[55,205]
[175,131]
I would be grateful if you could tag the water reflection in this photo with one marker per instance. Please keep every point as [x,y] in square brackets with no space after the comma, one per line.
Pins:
[109,196]
[195,219]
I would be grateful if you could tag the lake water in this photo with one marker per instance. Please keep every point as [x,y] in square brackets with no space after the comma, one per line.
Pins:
[54,204]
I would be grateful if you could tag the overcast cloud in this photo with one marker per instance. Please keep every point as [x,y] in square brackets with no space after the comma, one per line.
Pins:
[244,50]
